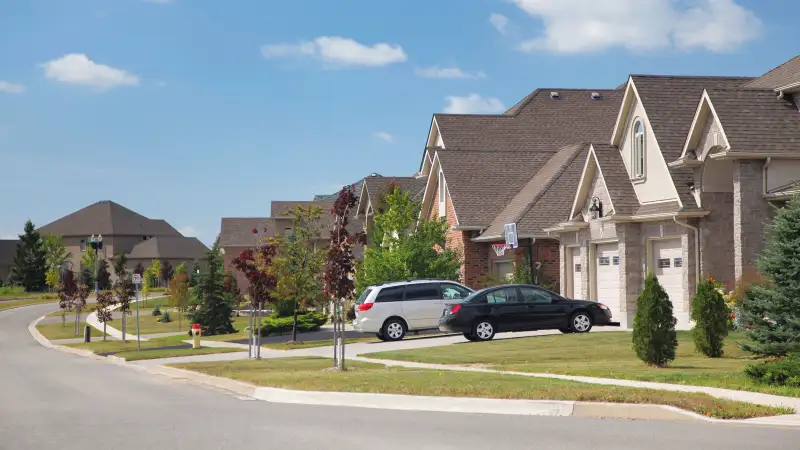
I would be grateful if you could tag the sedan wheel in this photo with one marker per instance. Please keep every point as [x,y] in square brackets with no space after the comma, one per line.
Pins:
[483,330]
[394,330]
[581,323]
[470,337]
[565,330]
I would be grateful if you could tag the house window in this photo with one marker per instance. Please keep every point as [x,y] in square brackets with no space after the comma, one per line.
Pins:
[678,262]
[615,260]
[83,245]
[603,261]
[442,196]
[638,149]
[577,268]
[663,263]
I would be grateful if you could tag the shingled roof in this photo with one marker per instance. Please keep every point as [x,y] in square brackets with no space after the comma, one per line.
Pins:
[784,75]
[374,188]
[8,249]
[755,121]
[238,231]
[169,247]
[547,178]
[356,188]
[108,218]
[616,179]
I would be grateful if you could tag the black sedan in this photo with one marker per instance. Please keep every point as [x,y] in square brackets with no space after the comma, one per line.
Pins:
[521,308]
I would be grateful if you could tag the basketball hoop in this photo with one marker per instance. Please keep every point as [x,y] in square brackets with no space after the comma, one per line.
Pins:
[500,249]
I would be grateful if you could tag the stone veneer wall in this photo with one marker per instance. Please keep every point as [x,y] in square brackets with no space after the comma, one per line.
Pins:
[750,213]
[631,269]
[717,253]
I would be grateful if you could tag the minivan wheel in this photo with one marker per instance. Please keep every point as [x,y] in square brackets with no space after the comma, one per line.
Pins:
[580,322]
[483,330]
[394,330]
[380,336]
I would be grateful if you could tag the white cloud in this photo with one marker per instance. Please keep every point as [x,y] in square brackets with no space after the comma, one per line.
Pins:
[573,26]
[473,104]
[338,51]
[11,88]
[446,72]
[499,22]
[76,68]
[189,232]
[382,135]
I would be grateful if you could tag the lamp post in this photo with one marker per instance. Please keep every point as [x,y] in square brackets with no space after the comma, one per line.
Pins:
[96,242]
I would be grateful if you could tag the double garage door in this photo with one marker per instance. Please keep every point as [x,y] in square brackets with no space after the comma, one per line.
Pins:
[667,264]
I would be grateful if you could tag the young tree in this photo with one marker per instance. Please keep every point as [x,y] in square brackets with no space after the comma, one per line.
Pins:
[710,315]
[654,337]
[66,295]
[105,300]
[88,266]
[55,255]
[166,271]
[179,295]
[771,309]
[120,262]
[155,270]
[29,261]
[400,250]
[257,268]
[81,294]
[139,269]
[194,276]
[103,276]
[300,263]
[124,291]
[340,267]
[147,283]
[215,311]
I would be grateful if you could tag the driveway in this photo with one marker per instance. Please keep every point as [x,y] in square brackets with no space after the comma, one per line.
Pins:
[54,400]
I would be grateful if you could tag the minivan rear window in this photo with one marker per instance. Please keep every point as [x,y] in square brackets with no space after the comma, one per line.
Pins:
[363,296]
[390,294]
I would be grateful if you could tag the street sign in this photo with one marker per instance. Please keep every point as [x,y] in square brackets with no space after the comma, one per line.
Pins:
[137,279]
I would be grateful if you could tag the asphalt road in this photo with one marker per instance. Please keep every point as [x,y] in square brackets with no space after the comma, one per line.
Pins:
[53,400]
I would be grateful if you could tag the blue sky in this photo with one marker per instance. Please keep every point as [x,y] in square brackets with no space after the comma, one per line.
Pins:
[192,110]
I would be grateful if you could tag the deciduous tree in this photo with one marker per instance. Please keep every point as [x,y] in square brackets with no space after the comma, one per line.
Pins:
[66,295]
[103,276]
[120,262]
[105,300]
[155,269]
[166,271]
[179,295]
[81,294]
[29,261]
[55,255]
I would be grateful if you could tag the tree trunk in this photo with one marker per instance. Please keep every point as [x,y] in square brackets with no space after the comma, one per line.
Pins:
[294,327]
[124,327]
[104,331]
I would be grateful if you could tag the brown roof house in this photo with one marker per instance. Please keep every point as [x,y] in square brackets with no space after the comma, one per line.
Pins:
[140,238]
[8,249]
[682,187]
[484,171]
[236,233]
[374,188]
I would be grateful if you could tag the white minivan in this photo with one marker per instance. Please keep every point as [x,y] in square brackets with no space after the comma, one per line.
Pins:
[391,309]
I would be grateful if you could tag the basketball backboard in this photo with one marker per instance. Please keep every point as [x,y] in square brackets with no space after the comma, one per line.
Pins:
[510,232]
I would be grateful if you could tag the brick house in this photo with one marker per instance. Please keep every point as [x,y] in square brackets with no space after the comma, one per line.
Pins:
[691,173]
[140,238]
[374,188]
[484,171]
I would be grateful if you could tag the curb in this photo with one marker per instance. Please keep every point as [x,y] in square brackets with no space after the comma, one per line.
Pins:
[551,408]
[25,306]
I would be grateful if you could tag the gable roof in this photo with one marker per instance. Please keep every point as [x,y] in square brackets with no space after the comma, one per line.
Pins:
[8,249]
[278,208]
[481,183]
[108,218]
[169,247]
[538,123]
[616,178]
[238,231]
[784,75]
[671,102]
[548,178]
[356,188]
[375,188]
[755,121]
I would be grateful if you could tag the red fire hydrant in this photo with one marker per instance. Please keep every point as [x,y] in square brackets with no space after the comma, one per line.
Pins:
[196,335]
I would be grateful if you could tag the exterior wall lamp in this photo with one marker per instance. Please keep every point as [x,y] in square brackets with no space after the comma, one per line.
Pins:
[596,209]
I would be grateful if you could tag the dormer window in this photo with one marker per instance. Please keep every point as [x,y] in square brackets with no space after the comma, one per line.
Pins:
[637,165]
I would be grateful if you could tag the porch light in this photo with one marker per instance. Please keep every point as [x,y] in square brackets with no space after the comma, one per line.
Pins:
[596,209]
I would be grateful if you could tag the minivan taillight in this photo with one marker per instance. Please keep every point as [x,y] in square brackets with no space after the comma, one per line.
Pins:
[365,306]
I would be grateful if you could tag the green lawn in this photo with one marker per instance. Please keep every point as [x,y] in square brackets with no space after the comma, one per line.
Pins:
[128,351]
[27,302]
[314,344]
[54,331]
[306,373]
[239,323]
[606,355]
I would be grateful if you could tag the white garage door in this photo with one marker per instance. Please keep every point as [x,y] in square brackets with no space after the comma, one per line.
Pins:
[577,273]
[607,272]
[668,267]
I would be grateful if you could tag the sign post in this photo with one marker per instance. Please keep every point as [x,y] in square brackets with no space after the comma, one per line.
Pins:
[137,280]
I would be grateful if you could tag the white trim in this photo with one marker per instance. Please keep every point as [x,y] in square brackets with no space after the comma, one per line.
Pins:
[635,176]
[704,100]
[569,276]
[600,172]
[441,188]
[423,212]
[622,114]
[580,185]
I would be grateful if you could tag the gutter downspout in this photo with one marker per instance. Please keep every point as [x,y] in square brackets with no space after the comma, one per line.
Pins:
[530,260]
[764,176]
[696,247]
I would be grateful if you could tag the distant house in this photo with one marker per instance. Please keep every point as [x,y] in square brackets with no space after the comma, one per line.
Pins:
[373,190]
[8,248]
[140,238]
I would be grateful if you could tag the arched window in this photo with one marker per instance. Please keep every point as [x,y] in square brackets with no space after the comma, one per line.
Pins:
[638,149]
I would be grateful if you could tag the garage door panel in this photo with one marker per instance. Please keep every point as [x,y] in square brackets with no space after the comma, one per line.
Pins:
[607,275]
[668,267]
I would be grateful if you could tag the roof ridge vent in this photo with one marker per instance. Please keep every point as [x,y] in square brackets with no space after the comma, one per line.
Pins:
[555,94]
[596,96]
